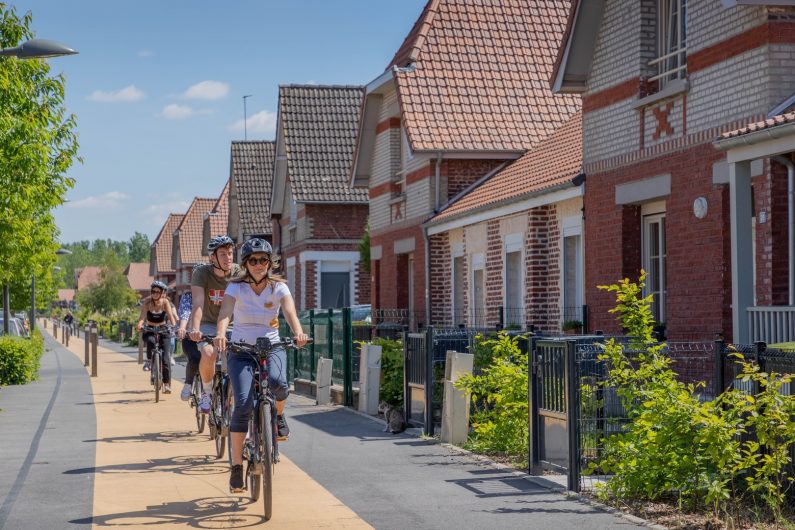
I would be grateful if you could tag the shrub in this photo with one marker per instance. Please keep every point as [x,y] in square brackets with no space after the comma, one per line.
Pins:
[391,371]
[19,359]
[499,398]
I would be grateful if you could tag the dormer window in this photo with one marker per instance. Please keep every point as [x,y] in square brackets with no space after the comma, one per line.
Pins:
[671,61]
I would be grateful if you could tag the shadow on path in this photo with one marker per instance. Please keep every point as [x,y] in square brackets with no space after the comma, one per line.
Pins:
[208,512]
[165,437]
[183,465]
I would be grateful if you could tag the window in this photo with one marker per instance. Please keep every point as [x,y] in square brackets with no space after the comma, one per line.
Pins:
[459,271]
[671,61]
[514,306]
[572,277]
[477,307]
[653,257]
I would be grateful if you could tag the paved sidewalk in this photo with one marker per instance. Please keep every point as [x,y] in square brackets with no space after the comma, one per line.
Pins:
[47,428]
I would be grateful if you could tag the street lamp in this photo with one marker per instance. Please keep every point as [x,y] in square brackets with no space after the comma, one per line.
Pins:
[32,49]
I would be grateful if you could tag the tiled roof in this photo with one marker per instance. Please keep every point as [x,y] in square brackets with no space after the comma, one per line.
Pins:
[191,230]
[86,276]
[252,172]
[775,121]
[554,161]
[161,247]
[66,295]
[219,215]
[480,75]
[319,124]
[138,276]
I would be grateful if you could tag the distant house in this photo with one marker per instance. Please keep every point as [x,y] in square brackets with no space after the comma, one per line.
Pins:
[138,278]
[187,246]
[318,219]
[250,182]
[215,221]
[678,183]
[161,266]
[66,298]
[87,276]
[463,95]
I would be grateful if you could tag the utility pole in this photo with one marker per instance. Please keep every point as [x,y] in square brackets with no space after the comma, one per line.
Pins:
[245,118]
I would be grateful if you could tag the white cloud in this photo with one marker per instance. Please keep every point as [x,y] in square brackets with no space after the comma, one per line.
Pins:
[145,53]
[177,112]
[207,90]
[107,201]
[311,82]
[127,94]
[156,214]
[261,122]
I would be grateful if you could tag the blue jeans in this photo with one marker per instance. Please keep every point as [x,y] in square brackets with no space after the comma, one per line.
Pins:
[241,373]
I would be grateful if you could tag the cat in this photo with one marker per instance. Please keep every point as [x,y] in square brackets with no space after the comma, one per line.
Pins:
[395,421]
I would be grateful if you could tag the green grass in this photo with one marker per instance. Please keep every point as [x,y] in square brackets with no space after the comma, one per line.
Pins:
[783,345]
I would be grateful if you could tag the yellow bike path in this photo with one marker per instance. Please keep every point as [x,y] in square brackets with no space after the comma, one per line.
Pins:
[153,470]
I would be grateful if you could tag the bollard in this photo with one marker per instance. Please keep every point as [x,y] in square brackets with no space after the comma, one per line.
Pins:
[87,342]
[94,344]
[455,408]
[67,334]
[140,348]
[370,376]
[323,382]
[45,323]
[55,330]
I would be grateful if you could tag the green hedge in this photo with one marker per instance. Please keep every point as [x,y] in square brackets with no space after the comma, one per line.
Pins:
[19,359]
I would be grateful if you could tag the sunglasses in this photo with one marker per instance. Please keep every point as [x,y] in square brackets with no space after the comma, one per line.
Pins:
[259,261]
[156,291]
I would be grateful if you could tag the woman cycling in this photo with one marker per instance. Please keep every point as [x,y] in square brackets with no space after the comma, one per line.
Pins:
[155,311]
[253,299]
[190,348]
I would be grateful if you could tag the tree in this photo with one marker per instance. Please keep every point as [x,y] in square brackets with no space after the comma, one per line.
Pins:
[364,248]
[38,144]
[112,293]
[139,248]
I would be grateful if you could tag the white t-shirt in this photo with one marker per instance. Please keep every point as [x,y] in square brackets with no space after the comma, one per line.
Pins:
[256,315]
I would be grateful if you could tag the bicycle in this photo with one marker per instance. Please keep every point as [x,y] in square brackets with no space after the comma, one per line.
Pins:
[220,416]
[195,398]
[156,374]
[261,449]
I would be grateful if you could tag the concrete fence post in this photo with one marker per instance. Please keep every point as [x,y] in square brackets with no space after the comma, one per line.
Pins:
[323,381]
[455,407]
[94,345]
[87,345]
[370,376]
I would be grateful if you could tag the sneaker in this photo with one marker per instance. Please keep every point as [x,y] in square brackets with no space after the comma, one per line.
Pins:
[173,361]
[282,428]
[147,366]
[205,403]
[185,394]
[166,388]
[236,479]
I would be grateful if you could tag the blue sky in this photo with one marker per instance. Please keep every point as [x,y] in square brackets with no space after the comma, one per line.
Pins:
[157,90]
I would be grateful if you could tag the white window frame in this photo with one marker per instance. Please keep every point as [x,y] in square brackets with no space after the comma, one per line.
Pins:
[671,61]
[572,229]
[650,214]
[513,243]
[457,253]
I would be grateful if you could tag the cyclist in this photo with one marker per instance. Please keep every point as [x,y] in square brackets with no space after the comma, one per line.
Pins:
[155,311]
[189,347]
[253,298]
[208,284]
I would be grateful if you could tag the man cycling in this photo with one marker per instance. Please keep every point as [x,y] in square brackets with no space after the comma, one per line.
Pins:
[208,284]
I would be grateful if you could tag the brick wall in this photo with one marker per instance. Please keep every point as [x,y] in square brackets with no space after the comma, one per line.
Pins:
[337,221]
[494,272]
[772,260]
[458,174]
[310,284]
[392,273]
[698,270]
[441,280]
[543,268]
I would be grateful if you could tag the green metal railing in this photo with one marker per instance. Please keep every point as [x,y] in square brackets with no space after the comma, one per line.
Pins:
[333,339]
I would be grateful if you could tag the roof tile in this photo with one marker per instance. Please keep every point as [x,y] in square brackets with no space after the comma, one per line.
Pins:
[162,245]
[191,230]
[252,173]
[781,119]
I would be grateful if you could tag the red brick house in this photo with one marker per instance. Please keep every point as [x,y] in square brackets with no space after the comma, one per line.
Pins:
[187,246]
[318,219]
[660,80]
[139,278]
[464,94]
[216,221]
[250,181]
[508,250]
[160,264]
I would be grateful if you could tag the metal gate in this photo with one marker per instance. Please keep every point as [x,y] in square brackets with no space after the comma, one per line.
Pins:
[417,383]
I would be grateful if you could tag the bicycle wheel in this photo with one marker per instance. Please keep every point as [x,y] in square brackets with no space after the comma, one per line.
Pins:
[228,410]
[253,469]
[266,434]
[157,376]
[216,420]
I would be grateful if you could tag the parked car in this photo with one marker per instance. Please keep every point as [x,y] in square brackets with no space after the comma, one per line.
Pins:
[361,313]
[15,327]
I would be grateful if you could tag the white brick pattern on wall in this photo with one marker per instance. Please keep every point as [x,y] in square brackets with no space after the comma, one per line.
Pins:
[617,52]
[610,131]
[708,22]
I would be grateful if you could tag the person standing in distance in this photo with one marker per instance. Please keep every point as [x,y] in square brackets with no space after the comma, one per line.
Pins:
[207,287]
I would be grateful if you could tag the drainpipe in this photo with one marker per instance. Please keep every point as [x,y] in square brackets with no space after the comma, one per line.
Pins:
[427,276]
[790,222]
[438,181]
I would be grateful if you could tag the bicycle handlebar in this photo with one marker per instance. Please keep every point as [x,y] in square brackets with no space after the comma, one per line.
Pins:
[162,330]
[245,347]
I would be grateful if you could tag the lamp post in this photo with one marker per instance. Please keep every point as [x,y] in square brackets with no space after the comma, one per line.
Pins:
[32,315]
[32,49]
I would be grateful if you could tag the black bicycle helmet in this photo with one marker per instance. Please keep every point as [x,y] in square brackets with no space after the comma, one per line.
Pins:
[160,285]
[253,246]
[218,242]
